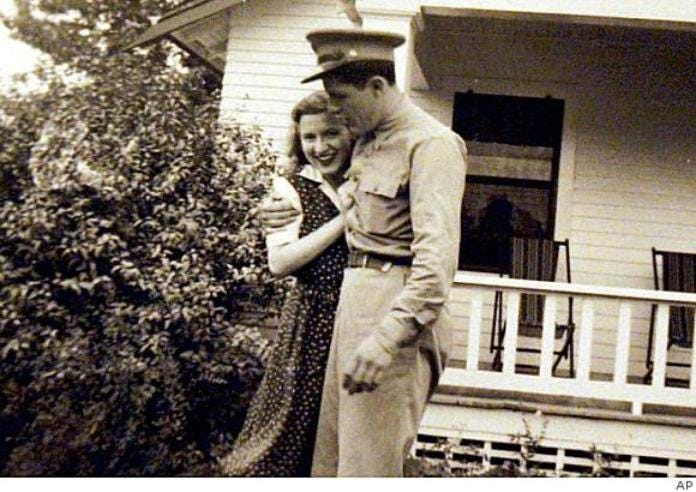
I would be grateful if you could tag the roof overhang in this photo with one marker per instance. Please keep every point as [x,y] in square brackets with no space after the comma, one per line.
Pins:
[540,46]
[559,25]
[200,27]
[561,18]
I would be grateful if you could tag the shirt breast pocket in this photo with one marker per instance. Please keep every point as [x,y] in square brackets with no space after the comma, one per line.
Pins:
[379,203]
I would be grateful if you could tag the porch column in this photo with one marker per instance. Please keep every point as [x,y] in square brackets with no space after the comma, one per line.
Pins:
[405,22]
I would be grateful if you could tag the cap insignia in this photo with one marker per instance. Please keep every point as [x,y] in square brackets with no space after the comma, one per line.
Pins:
[334,56]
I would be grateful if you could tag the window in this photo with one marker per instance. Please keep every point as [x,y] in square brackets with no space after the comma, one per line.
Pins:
[514,146]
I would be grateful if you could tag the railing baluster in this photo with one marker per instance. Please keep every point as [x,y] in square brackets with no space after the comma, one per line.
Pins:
[472,352]
[692,380]
[511,323]
[560,460]
[635,465]
[548,335]
[585,341]
[623,340]
[660,360]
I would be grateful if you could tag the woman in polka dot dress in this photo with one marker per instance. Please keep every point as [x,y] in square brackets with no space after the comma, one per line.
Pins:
[279,433]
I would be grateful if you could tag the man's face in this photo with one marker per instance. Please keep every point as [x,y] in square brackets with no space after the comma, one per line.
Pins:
[356,106]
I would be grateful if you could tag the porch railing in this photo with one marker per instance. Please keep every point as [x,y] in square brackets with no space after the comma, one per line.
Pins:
[581,385]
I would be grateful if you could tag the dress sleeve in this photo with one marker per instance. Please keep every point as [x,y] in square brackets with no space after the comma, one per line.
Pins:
[291,232]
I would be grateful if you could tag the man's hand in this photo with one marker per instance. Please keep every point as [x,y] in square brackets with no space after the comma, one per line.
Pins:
[275,212]
[372,358]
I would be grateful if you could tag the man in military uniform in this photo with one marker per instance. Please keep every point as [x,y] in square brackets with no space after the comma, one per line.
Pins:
[392,332]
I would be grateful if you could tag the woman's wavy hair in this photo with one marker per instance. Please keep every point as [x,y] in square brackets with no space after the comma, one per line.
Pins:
[315,103]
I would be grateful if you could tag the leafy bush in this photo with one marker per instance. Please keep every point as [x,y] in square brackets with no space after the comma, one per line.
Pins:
[127,245]
[21,120]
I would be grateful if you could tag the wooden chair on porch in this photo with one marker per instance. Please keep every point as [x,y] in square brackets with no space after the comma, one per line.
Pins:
[534,259]
[678,274]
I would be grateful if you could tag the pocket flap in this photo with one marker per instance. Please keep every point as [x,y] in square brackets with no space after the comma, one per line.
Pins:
[383,186]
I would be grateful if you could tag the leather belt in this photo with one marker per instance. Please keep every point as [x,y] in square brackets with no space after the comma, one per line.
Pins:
[379,262]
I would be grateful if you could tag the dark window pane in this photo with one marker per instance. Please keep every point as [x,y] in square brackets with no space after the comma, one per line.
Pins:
[514,145]
[491,214]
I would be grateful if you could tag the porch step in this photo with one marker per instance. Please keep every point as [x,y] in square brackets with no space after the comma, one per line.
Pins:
[563,406]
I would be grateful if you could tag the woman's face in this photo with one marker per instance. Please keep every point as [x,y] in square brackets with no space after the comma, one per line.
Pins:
[326,143]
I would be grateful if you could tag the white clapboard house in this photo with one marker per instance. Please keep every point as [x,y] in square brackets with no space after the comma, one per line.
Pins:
[580,118]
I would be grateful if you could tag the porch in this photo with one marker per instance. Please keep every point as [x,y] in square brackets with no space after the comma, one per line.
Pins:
[604,418]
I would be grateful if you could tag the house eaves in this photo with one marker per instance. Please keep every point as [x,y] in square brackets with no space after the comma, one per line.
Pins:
[199,27]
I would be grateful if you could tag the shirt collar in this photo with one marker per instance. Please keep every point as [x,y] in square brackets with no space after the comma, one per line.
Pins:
[395,120]
[311,173]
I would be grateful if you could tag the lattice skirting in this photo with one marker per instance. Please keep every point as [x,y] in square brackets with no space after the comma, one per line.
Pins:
[557,445]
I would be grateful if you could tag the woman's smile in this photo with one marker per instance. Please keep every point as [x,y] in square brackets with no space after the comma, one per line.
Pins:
[326,143]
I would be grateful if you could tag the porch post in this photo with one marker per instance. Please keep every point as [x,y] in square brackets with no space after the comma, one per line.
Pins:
[405,22]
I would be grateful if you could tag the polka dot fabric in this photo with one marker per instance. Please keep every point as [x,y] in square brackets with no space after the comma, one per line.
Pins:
[278,436]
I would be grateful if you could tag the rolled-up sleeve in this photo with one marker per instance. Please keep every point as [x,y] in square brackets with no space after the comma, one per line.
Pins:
[436,189]
[290,232]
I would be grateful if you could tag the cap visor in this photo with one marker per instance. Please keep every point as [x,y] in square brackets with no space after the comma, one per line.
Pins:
[313,77]
[325,73]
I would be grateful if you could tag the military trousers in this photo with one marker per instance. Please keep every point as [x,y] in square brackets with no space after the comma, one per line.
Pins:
[369,434]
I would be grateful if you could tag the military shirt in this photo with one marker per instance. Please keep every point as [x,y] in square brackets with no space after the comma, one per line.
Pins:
[410,173]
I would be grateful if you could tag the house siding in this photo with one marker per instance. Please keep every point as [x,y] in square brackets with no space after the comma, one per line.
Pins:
[268,56]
